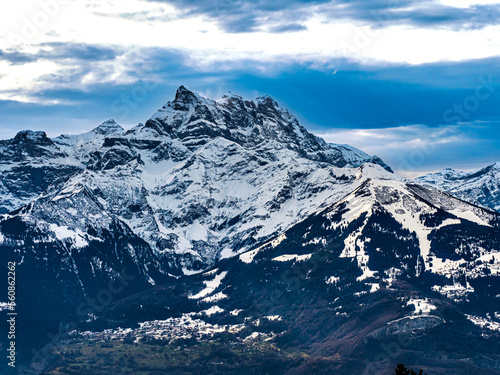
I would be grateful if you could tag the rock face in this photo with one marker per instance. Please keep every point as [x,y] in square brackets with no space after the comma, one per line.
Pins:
[481,186]
[321,239]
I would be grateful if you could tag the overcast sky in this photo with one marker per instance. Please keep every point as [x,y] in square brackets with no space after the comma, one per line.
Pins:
[414,82]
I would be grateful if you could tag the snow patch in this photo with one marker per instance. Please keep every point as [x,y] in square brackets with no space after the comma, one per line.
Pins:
[290,257]
[213,310]
[211,285]
[422,306]
[332,280]
[63,233]
[484,323]
[278,240]
[374,287]
[273,317]
[216,297]
[248,256]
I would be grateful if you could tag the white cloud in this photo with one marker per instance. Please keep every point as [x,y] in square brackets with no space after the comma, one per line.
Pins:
[396,138]
[468,3]
[20,79]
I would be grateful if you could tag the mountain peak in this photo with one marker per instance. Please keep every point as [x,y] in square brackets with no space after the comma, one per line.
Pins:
[232,101]
[373,170]
[107,127]
[32,144]
[30,136]
[197,120]
[231,95]
[496,165]
[267,101]
[183,95]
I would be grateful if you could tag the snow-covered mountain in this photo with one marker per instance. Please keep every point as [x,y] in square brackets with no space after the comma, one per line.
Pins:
[231,213]
[201,180]
[480,186]
[82,146]
[29,163]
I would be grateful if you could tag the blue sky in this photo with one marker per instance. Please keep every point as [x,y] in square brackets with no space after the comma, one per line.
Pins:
[415,82]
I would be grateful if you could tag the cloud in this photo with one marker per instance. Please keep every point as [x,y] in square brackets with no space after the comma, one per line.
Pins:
[404,138]
[248,15]
[16,57]
[80,51]
[223,32]
[60,51]
[144,16]
[414,12]
[290,27]
[356,96]
[41,75]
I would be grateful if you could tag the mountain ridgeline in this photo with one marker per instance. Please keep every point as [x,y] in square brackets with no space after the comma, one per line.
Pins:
[227,220]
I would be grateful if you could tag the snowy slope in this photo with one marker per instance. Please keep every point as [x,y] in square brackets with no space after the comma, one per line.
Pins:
[415,218]
[81,146]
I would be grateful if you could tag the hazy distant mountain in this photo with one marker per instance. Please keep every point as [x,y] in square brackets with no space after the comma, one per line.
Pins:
[482,186]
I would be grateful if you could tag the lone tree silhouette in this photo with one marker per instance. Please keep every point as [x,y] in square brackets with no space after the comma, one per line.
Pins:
[402,370]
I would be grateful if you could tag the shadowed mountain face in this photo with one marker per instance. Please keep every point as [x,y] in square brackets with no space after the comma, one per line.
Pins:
[315,249]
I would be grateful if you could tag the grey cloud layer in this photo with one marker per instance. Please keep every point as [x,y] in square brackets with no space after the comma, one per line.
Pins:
[61,52]
[248,16]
